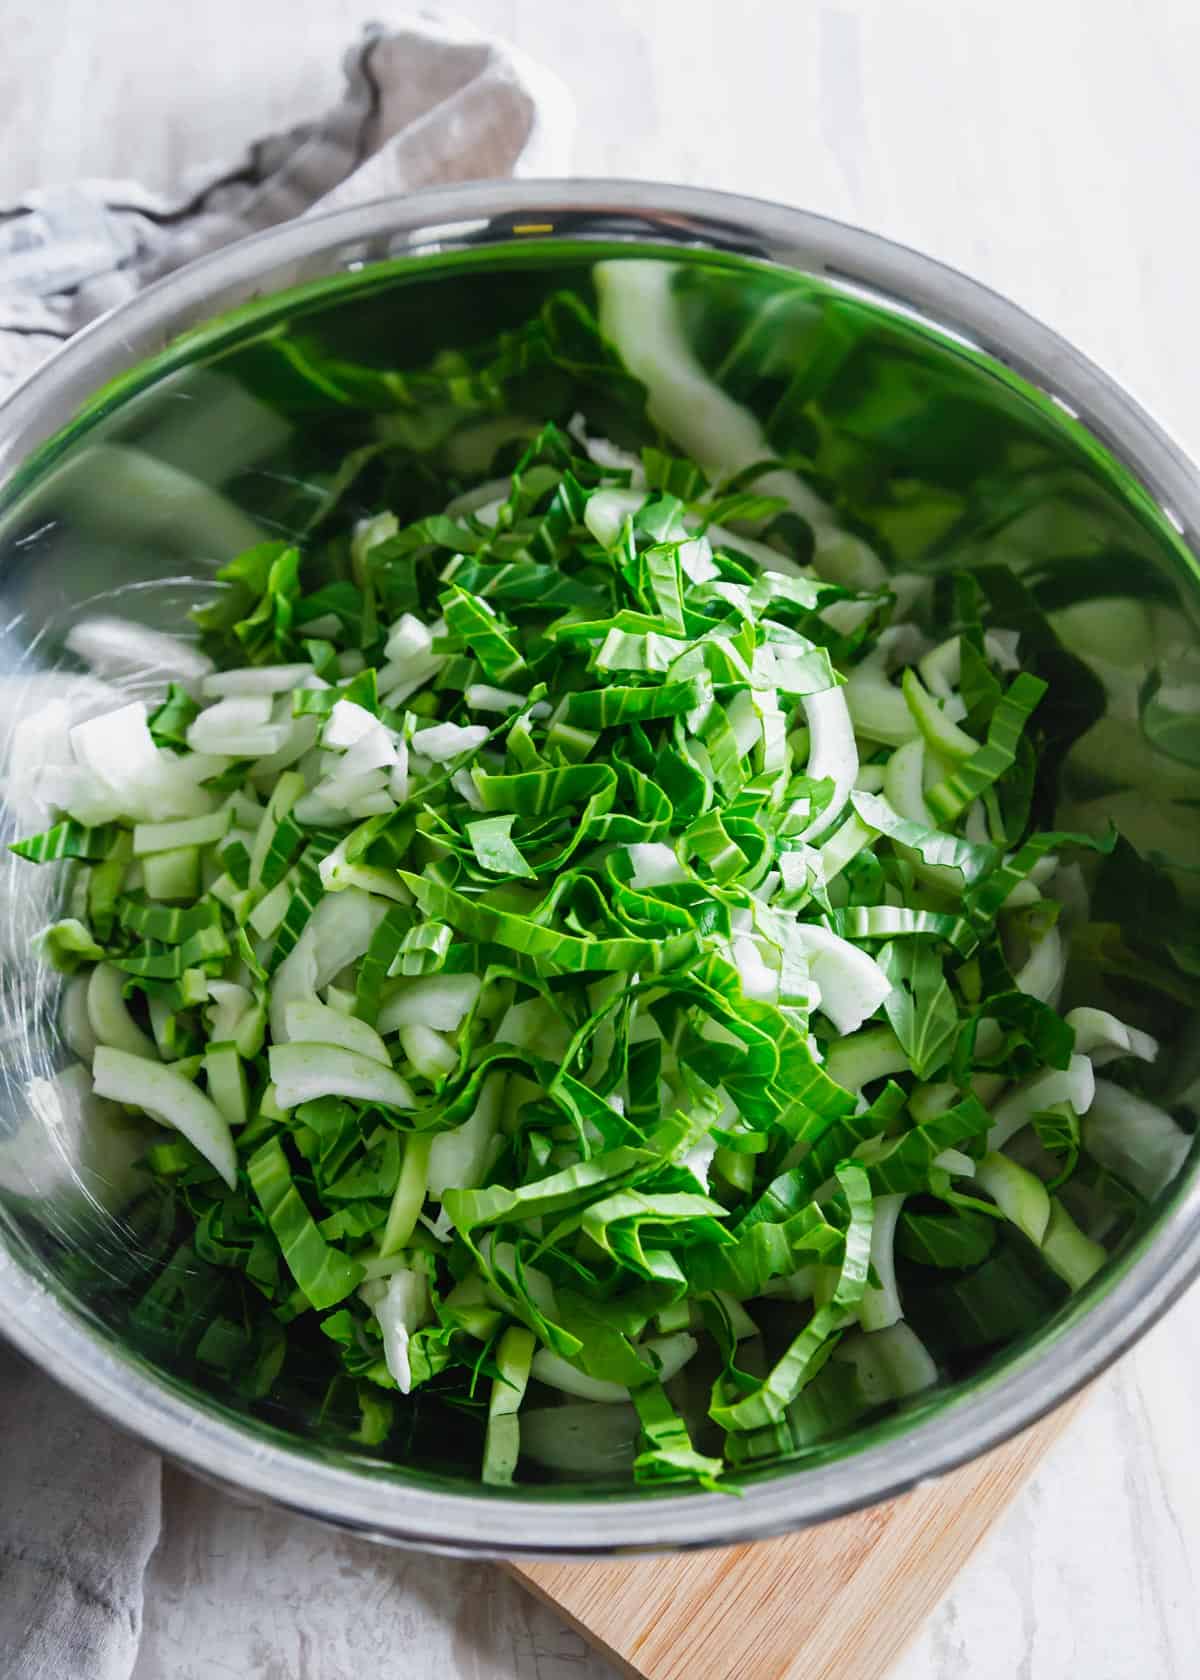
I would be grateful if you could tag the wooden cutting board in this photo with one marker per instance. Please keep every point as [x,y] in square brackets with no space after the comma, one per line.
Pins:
[839,1602]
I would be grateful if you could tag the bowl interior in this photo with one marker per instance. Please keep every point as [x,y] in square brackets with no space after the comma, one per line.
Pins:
[942,457]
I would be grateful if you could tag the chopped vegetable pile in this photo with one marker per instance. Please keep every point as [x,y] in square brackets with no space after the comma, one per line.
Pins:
[595,961]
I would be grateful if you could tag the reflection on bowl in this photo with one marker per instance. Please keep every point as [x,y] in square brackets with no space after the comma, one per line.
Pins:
[939,455]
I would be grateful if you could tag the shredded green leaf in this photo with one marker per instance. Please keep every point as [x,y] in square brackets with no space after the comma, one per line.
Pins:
[596,940]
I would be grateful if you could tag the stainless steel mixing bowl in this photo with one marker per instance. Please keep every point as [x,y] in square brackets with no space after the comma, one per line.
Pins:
[133,495]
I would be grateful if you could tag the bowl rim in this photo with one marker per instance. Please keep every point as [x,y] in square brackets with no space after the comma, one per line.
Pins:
[1132,1294]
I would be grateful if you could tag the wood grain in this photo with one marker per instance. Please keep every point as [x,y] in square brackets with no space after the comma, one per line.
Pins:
[838,1602]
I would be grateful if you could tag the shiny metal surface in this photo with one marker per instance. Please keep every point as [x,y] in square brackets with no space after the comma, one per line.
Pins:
[56,1201]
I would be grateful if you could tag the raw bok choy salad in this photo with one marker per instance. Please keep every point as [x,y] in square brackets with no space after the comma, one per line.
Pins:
[599,966]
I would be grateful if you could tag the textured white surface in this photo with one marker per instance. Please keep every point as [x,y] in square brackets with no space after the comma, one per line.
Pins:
[1052,151]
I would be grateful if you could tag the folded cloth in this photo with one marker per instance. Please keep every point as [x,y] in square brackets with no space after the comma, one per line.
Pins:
[79,1518]
[424,103]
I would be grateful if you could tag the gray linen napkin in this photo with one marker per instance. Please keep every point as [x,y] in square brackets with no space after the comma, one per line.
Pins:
[78,1522]
[425,102]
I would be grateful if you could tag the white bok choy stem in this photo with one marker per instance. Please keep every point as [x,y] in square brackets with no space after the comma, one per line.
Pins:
[168,1097]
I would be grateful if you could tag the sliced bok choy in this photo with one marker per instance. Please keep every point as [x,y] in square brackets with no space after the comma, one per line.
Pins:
[580,936]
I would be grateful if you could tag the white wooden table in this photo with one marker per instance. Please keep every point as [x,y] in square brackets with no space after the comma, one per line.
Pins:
[1049,147]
